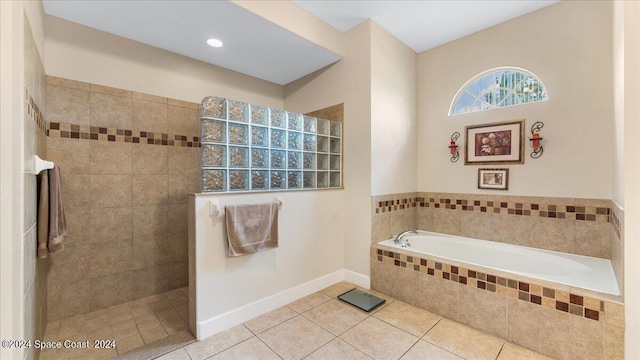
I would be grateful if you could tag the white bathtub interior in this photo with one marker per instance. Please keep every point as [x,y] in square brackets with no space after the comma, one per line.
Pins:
[580,271]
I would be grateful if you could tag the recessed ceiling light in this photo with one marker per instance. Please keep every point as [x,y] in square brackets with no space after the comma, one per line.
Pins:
[214,43]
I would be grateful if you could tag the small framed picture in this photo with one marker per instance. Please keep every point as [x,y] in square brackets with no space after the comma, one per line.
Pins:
[495,143]
[493,179]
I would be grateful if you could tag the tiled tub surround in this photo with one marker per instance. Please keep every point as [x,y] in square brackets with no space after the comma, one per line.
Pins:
[248,147]
[569,323]
[486,301]
[125,199]
[577,226]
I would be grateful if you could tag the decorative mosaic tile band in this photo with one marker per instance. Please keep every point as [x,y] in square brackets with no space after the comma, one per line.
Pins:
[617,224]
[569,212]
[33,111]
[71,131]
[397,204]
[583,306]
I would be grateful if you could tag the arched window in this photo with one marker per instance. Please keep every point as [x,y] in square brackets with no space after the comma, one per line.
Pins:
[496,88]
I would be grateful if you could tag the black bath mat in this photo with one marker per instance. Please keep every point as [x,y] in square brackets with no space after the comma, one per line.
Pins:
[361,299]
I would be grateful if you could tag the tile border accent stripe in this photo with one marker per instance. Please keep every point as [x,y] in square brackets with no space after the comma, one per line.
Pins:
[397,204]
[33,111]
[568,212]
[578,305]
[86,132]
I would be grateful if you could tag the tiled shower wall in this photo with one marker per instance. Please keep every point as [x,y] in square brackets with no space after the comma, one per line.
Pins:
[35,269]
[128,160]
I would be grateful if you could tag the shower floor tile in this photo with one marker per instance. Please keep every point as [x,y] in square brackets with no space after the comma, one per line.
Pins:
[131,325]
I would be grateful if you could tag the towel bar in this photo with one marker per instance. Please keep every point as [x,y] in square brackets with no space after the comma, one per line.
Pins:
[40,165]
[217,209]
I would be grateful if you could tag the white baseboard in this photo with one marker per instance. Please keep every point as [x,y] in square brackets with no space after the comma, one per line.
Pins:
[247,312]
[357,278]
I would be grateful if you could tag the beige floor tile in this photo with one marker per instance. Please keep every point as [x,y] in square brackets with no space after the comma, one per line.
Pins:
[309,302]
[125,316]
[149,324]
[173,294]
[295,338]
[102,333]
[338,349]
[166,312]
[464,341]
[124,329]
[408,318]
[335,316]
[141,309]
[252,349]
[378,339]
[72,326]
[144,318]
[49,354]
[270,319]
[218,342]
[52,331]
[129,343]
[72,354]
[119,310]
[102,354]
[426,351]
[152,334]
[513,352]
[338,289]
[180,354]
[173,324]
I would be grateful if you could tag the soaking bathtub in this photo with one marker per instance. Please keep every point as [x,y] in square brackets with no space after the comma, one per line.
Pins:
[579,271]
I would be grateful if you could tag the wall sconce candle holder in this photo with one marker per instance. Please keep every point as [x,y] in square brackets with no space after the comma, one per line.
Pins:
[453,148]
[536,140]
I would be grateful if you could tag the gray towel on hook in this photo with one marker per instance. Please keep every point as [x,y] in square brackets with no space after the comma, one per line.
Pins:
[251,228]
[52,224]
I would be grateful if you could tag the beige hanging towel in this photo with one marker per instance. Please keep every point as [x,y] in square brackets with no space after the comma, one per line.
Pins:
[251,228]
[52,225]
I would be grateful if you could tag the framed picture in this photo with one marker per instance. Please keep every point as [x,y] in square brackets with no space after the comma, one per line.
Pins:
[493,179]
[495,143]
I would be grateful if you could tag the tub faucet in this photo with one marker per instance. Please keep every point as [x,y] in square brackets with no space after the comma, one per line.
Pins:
[398,239]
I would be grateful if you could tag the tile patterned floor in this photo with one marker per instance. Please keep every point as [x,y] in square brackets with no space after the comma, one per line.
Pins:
[132,325]
[320,327]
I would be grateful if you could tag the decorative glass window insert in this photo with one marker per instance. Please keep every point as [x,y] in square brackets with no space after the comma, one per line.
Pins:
[248,147]
[498,88]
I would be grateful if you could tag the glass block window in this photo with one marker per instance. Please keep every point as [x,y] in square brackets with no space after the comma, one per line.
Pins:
[497,88]
[247,147]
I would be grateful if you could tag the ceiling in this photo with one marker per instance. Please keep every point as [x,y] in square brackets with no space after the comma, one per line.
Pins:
[425,24]
[260,48]
[252,45]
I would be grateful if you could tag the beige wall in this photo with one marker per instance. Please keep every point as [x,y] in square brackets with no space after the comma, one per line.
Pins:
[20,138]
[393,114]
[568,46]
[11,171]
[618,103]
[632,176]
[348,82]
[297,20]
[81,53]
